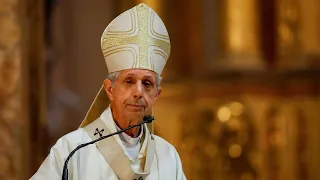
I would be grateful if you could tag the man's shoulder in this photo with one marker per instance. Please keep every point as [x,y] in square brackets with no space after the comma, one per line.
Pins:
[163,145]
[161,141]
[74,138]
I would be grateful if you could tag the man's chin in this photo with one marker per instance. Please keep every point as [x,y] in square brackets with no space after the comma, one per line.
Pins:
[135,115]
[131,108]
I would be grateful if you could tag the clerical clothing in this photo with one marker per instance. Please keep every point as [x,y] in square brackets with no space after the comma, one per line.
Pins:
[89,162]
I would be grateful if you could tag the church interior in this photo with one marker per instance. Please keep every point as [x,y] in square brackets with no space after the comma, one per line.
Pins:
[241,89]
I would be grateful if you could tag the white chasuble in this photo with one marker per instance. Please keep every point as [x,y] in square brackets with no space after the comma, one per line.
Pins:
[108,159]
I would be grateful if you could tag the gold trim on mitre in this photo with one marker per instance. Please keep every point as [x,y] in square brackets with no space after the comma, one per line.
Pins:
[136,39]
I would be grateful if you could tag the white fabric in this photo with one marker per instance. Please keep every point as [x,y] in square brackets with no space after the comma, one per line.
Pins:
[128,139]
[114,153]
[88,163]
[132,145]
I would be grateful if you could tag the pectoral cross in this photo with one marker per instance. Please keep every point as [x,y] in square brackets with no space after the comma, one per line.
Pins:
[98,132]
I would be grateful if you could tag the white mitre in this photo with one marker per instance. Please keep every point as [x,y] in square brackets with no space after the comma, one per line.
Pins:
[136,39]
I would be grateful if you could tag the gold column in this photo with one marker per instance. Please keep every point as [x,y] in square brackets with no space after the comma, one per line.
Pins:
[287,159]
[311,107]
[288,45]
[13,119]
[242,35]
[309,34]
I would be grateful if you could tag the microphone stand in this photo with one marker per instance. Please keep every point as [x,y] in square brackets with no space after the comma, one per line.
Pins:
[146,119]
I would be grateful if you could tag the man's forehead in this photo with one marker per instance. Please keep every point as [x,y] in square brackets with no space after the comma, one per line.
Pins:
[138,72]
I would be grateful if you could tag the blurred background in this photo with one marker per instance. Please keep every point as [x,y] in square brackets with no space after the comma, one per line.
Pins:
[241,89]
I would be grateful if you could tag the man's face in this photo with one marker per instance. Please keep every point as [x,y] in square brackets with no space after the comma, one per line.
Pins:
[133,94]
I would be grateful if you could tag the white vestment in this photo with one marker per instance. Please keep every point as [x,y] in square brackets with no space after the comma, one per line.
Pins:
[89,164]
[132,145]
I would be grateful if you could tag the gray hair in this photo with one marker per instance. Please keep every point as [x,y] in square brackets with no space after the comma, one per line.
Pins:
[114,75]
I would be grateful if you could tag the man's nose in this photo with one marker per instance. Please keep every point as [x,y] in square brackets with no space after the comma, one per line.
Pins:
[137,90]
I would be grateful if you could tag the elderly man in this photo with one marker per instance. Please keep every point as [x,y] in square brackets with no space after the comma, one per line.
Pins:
[136,47]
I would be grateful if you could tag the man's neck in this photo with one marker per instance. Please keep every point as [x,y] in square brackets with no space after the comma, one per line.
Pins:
[123,123]
[134,132]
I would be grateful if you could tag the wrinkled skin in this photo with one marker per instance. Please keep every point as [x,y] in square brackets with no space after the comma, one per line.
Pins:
[132,97]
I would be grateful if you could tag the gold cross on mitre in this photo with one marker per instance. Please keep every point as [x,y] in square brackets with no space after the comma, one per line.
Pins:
[137,38]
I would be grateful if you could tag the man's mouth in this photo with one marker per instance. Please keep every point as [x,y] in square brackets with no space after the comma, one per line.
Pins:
[136,105]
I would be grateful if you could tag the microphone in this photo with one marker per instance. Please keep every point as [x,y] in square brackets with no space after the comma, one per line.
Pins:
[146,119]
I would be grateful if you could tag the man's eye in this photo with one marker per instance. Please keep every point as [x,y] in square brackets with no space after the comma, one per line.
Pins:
[148,84]
[128,81]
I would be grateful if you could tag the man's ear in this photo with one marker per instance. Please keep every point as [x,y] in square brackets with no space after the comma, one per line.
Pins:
[158,93]
[107,85]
